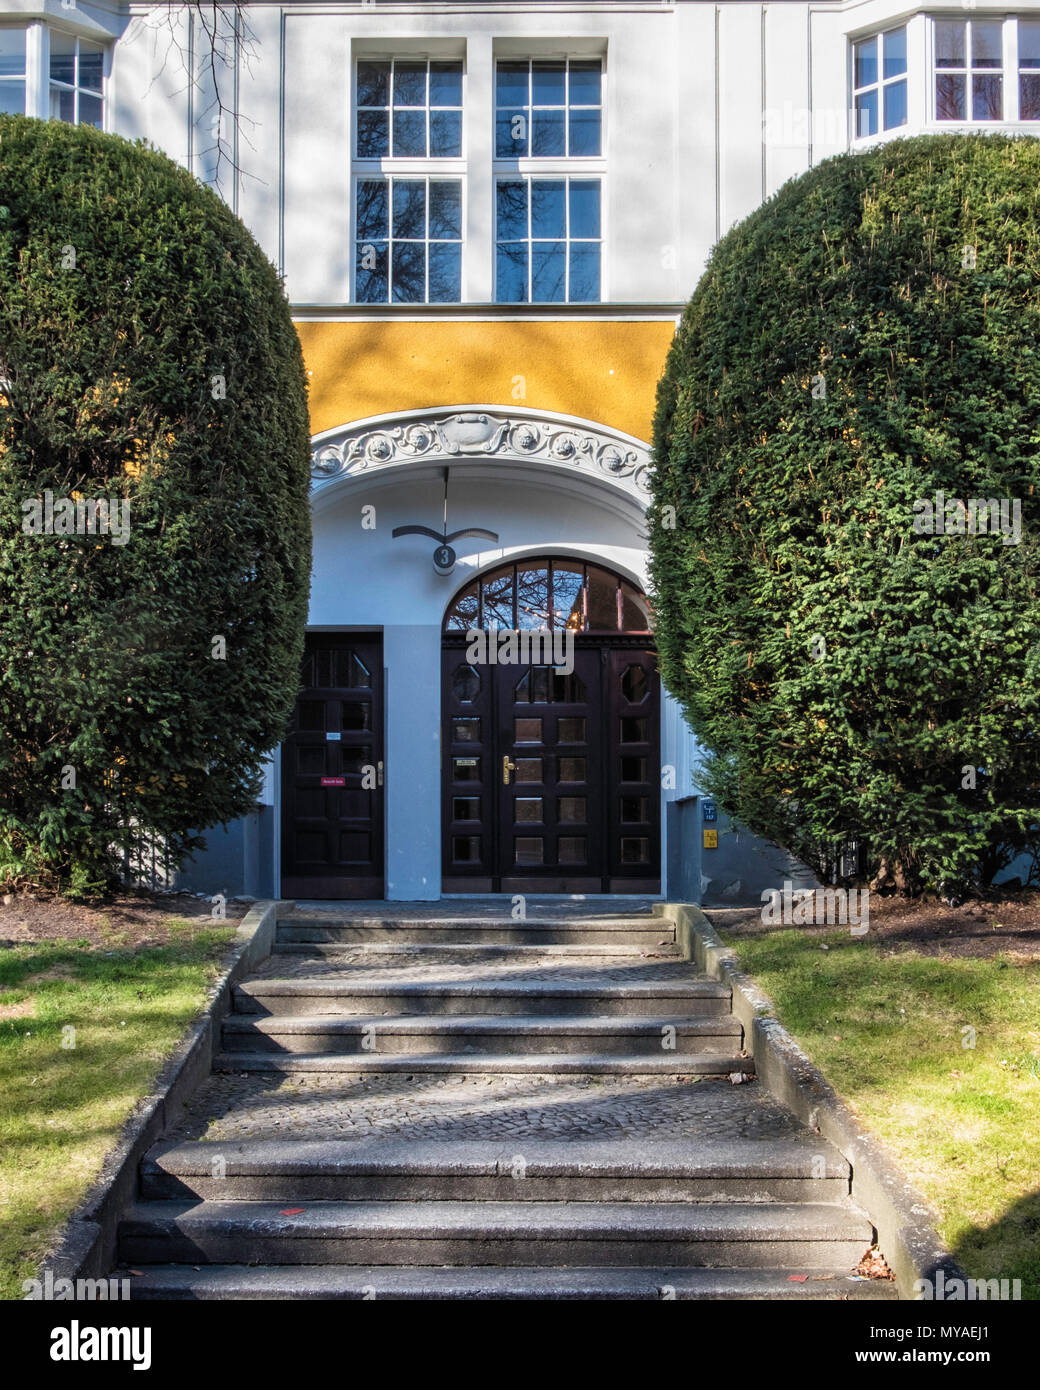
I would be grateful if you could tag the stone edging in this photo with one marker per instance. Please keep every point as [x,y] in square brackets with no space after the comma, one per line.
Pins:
[86,1247]
[904,1220]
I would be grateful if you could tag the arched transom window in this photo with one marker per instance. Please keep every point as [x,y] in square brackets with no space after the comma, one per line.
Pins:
[550,593]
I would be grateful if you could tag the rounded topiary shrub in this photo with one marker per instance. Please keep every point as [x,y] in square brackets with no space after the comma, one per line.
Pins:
[853,638]
[154,523]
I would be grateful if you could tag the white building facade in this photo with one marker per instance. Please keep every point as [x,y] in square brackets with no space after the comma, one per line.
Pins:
[489,217]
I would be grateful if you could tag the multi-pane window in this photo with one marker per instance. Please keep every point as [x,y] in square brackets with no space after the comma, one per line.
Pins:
[879,82]
[547,223]
[969,61]
[1029,69]
[548,107]
[548,240]
[76,80]
[12,72]
[556,594]
[408,240]
[409,110]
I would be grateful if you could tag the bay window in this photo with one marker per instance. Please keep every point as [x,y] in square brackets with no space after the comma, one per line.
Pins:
[879,82]
[71,90]
[969,62]
[12,72]
[1029,69]
[76,80]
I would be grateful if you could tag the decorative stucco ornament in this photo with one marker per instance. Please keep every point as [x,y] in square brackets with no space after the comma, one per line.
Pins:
[452,434]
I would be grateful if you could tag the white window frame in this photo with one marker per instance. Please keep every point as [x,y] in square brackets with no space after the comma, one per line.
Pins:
[1016,68]
[38,69]
[879,84]
[26,31]
[530,107]
[567,177]
[393,60]
[1008,66]
[76,87]
[388,177]
[566,167]
[433,167]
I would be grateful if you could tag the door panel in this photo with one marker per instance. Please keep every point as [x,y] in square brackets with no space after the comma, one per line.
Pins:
[332,764]
[550,784]
[633,772]
[467,774]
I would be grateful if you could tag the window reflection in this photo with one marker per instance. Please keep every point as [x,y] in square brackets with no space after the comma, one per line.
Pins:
[540,594]
[532,595]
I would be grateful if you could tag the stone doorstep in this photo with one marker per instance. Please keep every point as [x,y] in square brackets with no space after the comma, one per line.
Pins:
[407,1187]
[522,997]
[526,988]
[511,1025]
[490,1033]
[498,1034]
[307,1170]
[483,1063]
[550,1221]
[487,1282]
[802,1156]
[332,950]
[645,925]
[556,939]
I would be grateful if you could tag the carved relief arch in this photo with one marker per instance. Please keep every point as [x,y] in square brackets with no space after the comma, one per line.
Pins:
[481,434]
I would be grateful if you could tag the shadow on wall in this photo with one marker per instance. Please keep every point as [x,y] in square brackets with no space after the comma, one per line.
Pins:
[238,861]
[734,873]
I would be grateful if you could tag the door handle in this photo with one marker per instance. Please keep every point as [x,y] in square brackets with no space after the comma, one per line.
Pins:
[507,768]
[379,774]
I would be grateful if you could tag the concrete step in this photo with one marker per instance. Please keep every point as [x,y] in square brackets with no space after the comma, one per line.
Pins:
[675,1036]
[591,931]
[302,1170]
[485,1063]
[733,1235]
[327,994]
[446,950]
[275,1282]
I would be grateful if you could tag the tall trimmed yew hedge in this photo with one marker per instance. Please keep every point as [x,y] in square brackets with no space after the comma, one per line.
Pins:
[867,338]
[147,355]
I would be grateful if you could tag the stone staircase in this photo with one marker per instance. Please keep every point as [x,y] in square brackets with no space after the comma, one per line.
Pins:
[437,1106]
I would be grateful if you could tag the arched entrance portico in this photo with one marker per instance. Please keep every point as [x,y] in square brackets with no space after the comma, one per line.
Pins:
[551,733]
[548,486]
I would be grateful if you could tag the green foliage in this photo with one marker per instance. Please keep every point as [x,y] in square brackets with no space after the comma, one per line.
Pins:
[126,290]
[887,1027]
[64,1100]
[866,338]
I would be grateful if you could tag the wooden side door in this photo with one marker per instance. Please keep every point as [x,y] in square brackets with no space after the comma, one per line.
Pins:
[332,772]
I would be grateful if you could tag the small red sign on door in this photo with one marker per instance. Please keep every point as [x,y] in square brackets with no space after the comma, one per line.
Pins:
[333,781]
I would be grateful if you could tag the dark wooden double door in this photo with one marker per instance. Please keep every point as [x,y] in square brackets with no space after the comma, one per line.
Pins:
[551,780]
[332,772]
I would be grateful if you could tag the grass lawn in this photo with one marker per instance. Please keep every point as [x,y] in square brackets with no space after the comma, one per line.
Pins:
[62,1106]
[959,1109]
